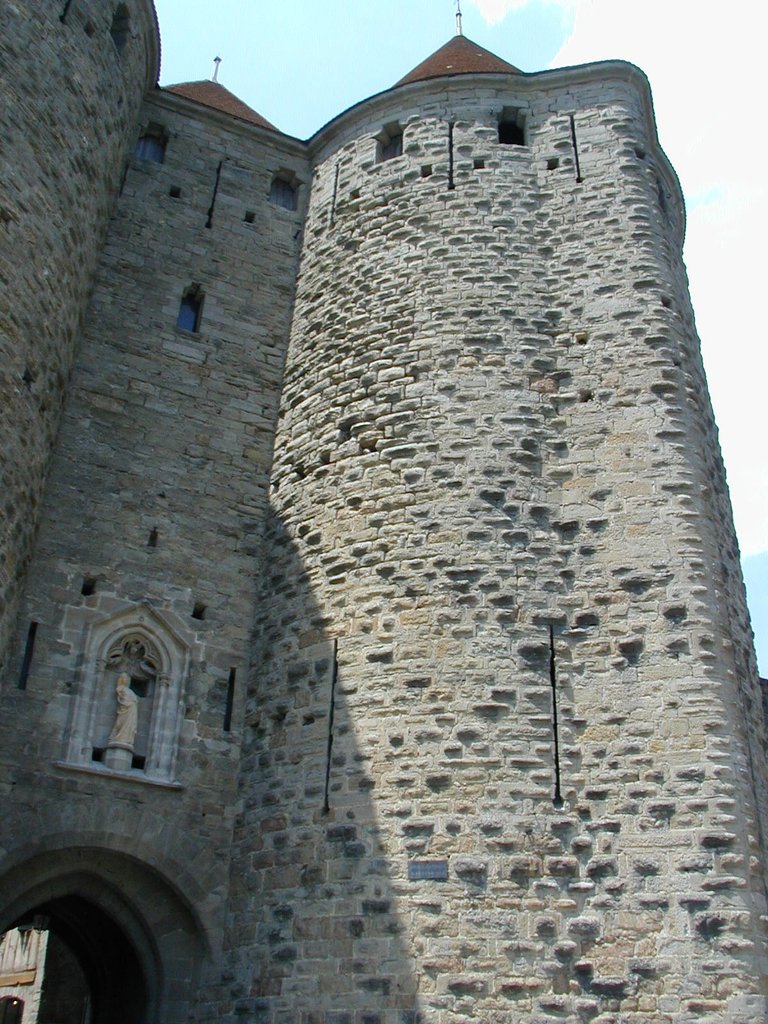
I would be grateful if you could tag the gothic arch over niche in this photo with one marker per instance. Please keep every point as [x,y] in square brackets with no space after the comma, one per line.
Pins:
[137,648]
[130,934]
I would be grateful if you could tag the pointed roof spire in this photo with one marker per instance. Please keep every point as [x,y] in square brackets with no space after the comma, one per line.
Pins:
[459,56]
[211,93]
[459,31]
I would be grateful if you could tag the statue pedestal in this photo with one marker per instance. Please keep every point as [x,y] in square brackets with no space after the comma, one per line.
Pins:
[118,757]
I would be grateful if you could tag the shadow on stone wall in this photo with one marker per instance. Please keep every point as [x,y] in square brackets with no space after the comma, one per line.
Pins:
[317,932]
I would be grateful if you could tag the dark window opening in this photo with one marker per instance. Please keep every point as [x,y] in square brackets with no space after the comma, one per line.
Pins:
[140,686]
[97,754]
[426,170]
[121,27]
[90,29]
[198,612]
[479,165]
[138,762]
[29,650]
[152,539]
[230,700]
[284,191]
[389,142]
[553,163]
[249,217]
[511,130]
[190,309]
[151,145]
[89,586]
[174,192]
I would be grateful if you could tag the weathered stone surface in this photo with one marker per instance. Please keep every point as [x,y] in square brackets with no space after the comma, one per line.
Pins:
[437,462]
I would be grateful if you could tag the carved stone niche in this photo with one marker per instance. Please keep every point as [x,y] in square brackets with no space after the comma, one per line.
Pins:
[140,644]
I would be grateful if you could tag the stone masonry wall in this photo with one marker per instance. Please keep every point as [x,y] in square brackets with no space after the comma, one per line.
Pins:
[70,103]
[154,509]
[490,529]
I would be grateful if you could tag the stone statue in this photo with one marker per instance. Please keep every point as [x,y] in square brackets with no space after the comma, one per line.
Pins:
[127,717]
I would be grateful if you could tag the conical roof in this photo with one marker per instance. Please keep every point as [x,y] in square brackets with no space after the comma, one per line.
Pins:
[211,94]
[459,56]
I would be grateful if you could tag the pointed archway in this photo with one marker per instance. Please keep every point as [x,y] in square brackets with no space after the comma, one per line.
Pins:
[122,944]
[89,972]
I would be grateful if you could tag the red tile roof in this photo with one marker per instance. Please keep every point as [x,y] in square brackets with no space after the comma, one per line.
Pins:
[459,56]
[211,94]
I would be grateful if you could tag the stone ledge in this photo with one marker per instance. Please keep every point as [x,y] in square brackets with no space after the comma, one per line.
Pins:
[124,776]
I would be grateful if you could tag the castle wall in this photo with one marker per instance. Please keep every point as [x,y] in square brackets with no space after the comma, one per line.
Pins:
[71,100]
[502,755]
[490,529]
[151,526]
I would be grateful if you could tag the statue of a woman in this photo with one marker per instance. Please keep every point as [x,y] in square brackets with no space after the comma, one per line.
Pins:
[127,718]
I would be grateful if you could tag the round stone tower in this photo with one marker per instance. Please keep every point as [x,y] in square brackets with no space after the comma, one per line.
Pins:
[73,74]
[504,758]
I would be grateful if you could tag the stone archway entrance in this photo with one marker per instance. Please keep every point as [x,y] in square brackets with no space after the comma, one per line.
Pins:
[116,942]
[85,969]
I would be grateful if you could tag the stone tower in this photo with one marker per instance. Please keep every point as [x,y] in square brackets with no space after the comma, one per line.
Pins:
[382,657]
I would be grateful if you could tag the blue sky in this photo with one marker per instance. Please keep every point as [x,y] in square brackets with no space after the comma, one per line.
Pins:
[299,63]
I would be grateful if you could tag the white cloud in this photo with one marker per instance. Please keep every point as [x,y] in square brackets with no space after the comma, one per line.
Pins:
[705,74]
[494,11]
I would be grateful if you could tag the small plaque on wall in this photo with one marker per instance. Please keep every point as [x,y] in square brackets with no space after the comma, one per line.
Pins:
[427,870]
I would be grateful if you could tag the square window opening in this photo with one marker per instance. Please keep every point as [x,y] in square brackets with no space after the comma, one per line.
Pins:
[151,145]
[284,190]
[389,142]
[511,127]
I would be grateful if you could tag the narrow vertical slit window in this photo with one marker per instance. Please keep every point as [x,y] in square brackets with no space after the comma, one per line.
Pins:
[575,145]
[335,193]
[451,182]
[557,798]
[29,650]
[190,309]
[331,714]
[230,700]
[212,207]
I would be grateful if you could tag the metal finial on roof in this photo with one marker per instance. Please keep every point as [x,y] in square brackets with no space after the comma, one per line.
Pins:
[458,18]
[216,61]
